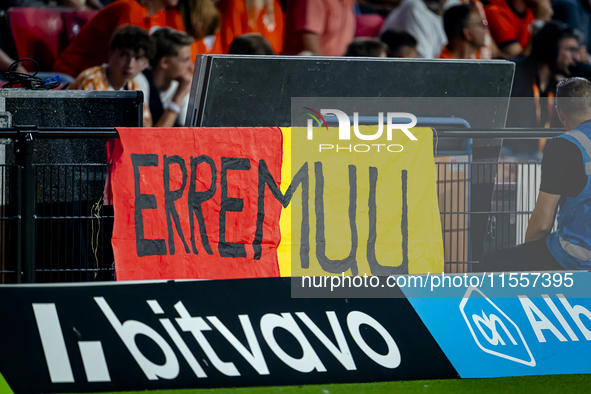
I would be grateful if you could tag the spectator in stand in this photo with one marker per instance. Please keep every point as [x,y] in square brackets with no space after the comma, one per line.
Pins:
[323,27]
[251,44]
[577,14]
[169,77]
[511,23]
[252,16]
[201,20]
[367,48]
[465,32]
[400,44]
[131,49]
[489,50]
[423,20]
[555,51]
[89,48]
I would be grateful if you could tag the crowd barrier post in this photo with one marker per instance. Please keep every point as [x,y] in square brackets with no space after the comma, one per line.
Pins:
[23,149]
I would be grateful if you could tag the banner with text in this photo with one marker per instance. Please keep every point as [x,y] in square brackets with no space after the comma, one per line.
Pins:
[265,202]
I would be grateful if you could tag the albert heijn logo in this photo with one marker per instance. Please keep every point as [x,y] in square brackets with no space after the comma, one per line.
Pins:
[402,121]
[493,330]
[496,333]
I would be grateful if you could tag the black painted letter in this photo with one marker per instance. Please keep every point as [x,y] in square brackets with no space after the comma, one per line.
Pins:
[170,197]
[302,178]
[144,247]
[376,268]
[329,265]
[196,198]
[231,204]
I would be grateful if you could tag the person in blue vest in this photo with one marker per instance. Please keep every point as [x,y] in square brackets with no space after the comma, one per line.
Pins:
[565,187]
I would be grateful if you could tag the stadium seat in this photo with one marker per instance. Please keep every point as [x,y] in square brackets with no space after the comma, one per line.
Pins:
[368,25]
[73,22]
[36,33]
[42,33]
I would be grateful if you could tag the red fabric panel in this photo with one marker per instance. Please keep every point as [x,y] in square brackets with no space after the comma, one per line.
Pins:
[143,234]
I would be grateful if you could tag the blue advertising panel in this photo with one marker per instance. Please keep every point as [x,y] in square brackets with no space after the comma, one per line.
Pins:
[509,325]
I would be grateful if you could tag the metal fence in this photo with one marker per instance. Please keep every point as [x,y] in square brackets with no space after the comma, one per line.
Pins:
[470,227]
[72,227]
[54,227]
[71,231]
[10,223]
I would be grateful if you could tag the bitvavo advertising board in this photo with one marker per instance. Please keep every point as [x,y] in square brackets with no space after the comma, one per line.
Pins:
[510,325]
[197,334]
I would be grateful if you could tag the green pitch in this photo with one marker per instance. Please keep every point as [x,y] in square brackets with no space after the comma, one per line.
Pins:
[558,384]
[549,384]
[4,388]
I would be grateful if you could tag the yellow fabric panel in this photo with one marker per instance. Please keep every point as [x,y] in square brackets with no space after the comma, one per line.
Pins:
[425,245]
[284,249]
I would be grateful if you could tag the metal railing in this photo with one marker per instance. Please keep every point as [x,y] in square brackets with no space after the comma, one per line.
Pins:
[53,227]
[469,232]
[10,224]
[485,206]
[72,227]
